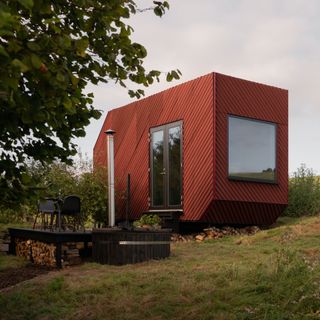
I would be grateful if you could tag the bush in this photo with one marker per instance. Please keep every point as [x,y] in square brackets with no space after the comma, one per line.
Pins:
[148,219]
[8,215]
[58,180]
[92,189]
[304,193]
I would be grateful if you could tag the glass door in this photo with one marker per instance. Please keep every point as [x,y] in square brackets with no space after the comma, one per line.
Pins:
[166,166]
[158,168]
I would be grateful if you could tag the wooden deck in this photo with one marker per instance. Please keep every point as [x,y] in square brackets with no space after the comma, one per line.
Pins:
[57,238]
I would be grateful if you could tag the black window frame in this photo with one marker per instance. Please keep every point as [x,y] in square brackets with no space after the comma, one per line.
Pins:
[248,179]
[165,127]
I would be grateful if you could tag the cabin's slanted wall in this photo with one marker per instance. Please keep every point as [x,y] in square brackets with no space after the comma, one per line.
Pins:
[191,102]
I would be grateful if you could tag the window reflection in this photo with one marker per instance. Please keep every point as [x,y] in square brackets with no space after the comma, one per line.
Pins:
[158,165]
[252,149]
[174,141]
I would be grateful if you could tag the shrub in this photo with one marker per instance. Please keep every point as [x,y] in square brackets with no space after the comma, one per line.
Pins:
[8,215]
[92,189]
[58,180]
[82,180]
[304,193]
[148,219]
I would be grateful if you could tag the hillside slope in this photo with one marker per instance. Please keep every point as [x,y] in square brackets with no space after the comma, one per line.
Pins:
[273,274]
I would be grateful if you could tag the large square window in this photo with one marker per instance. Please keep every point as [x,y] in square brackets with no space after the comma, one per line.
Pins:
[252,150]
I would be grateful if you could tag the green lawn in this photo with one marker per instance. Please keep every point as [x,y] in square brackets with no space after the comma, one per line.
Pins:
[274,274]
[4,227]
[11,261]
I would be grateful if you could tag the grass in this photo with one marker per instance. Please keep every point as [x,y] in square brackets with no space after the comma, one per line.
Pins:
[266,175]
[7,262]
[11,261]
[274,274]
[4,226]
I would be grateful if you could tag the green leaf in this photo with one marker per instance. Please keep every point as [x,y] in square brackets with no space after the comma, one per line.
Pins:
[143,52]
[12,82]
[81,46]
[175,75]
[157,11]
[80,133]
[26,118]
[33,46]
[166,4]
[3,51]
[25,178]
[35,61]
[96,114]
[40,116]
[28,4]
[19,64]
[60,77]
[74,80]
[67,103]
[45,8]
[14,46]
[64,41]
[169,77]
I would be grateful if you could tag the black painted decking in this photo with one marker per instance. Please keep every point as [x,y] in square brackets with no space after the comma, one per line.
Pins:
[54,237]
[110,246]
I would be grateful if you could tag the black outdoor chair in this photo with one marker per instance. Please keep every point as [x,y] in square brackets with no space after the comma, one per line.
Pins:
[70,213]
[46,210]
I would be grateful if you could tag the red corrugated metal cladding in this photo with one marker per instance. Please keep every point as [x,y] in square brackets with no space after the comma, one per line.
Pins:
[203,105]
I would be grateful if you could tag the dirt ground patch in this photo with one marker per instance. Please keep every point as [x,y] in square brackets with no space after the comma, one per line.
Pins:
[12,276]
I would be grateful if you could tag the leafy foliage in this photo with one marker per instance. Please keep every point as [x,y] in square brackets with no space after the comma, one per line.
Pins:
[58,180]
[304,193]
[15,215]
[93,193]
[148,219]
[49,52]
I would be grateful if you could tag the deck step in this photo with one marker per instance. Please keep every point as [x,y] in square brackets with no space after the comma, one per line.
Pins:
[170,218]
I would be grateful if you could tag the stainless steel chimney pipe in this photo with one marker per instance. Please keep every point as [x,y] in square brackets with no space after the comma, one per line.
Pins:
[111,200]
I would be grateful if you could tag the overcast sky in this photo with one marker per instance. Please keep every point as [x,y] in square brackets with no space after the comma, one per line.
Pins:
[276,42]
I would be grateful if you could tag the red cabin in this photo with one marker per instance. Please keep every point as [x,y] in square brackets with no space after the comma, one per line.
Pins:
[213,150]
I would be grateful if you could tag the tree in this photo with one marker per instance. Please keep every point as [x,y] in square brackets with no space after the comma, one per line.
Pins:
[49,51]
[59,180]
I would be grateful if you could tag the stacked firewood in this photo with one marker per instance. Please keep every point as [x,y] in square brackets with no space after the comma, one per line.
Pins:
[43,253]
[23,248]
[40,253]
[214,233]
